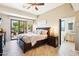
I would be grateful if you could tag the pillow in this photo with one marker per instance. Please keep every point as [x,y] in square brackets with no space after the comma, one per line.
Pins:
[38,32]
[44,32]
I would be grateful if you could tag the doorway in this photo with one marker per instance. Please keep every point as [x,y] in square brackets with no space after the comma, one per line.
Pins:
[67,29]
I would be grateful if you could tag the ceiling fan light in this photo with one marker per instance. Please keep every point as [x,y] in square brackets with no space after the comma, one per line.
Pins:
[36,8]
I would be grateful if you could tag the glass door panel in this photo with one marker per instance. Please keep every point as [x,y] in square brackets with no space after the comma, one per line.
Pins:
[18,27]
[21,27]
[14,28]
[25,27]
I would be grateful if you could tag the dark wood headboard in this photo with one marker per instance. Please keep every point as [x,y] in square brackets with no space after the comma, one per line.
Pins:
[45,28]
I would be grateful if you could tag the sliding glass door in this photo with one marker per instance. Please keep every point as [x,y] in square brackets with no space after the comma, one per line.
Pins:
[14,28]
[18,27]
[23,27]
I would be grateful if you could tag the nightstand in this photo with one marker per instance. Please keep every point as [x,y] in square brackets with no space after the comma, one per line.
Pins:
[52,41]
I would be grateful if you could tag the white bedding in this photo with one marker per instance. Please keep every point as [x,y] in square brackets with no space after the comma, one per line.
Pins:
[32,38]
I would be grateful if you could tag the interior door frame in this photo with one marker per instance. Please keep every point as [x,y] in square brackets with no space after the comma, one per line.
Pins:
[59,32]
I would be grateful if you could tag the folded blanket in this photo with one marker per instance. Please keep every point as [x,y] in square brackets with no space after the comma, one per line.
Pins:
[33,41]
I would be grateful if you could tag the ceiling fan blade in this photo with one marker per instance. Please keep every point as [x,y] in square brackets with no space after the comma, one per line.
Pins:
[39,3]
[36,3]
[28,7]
[36,8]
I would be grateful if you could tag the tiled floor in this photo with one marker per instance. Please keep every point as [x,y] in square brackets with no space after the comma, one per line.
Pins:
[66,49]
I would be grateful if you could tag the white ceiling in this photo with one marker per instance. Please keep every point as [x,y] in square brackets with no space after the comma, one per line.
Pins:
[42,9]
[75,6]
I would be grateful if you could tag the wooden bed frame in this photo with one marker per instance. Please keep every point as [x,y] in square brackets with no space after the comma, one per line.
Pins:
[25,47]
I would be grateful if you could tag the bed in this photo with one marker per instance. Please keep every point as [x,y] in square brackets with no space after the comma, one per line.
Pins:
[32,40]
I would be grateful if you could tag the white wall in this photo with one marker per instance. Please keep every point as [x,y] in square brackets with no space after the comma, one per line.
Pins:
[69,20]
[52,17]
[6,26]
[43,23]
[77,31]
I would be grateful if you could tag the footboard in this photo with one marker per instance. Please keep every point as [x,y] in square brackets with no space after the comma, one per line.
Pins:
[27,46]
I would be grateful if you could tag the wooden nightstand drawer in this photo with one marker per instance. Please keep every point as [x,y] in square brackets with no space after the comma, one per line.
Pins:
[53,41]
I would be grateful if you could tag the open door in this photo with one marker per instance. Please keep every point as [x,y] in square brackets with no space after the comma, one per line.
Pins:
[59,33]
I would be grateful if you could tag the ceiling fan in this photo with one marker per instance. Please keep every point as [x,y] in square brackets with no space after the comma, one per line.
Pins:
[34,5]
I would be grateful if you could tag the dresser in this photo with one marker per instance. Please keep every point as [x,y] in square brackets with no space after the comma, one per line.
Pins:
[2,41]
[1,50]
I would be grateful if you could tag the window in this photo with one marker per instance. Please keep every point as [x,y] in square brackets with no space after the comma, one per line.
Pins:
[21,27]
[29,26]
[62,25]
[18,27]
[14,28]
[70,26]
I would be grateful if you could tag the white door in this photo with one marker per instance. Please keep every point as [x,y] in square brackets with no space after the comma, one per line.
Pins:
[62,30]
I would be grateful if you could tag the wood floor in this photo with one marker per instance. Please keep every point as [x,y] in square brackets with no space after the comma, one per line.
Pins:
[66,49]
[45,50]
[12,49]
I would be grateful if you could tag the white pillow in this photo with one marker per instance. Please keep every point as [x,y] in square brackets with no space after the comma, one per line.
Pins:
[44,32]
